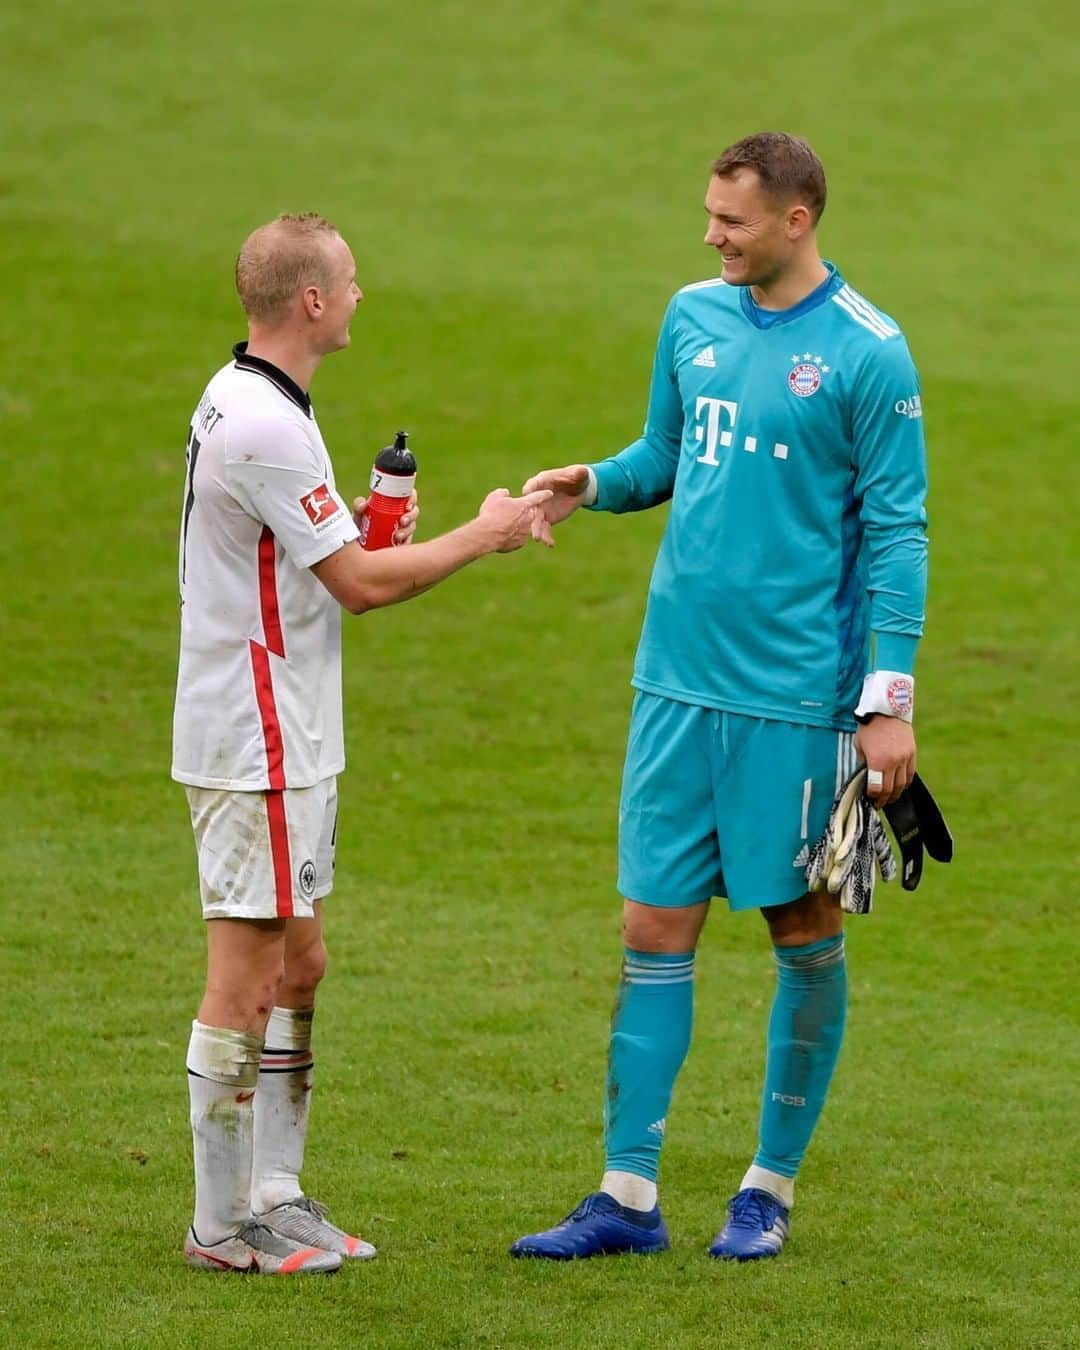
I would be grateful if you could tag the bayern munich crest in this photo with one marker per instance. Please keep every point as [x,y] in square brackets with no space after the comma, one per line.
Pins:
[901,696]
[804,377]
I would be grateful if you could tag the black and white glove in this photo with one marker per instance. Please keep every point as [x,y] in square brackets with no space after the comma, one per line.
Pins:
[853,849]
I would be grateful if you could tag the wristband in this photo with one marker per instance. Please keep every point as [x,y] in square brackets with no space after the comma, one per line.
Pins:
[592,487]
[889,692]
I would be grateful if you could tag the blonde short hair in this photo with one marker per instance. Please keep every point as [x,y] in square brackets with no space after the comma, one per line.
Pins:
[278,260]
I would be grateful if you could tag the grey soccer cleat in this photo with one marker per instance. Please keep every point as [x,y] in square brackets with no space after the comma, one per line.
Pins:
[258,1250]
[304,1220]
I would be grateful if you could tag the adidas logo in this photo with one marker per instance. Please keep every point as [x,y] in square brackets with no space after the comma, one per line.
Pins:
[802,857]
[705,358]
[658,1126]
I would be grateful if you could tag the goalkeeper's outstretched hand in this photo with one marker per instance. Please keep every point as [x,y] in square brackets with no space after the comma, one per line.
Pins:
[567,487]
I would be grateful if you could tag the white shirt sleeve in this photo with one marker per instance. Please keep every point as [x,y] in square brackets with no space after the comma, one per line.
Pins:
[281,476]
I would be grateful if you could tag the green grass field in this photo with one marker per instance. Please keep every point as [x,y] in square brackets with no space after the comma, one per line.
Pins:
[522,187]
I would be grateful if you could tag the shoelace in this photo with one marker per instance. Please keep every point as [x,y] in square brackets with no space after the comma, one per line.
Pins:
[254,1230]
[312,1206]
[588,1206]
[751,1210]
[583,1211]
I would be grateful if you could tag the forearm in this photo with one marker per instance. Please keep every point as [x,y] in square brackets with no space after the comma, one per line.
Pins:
[638,477]
[896,581]
[897,587]
[361,581]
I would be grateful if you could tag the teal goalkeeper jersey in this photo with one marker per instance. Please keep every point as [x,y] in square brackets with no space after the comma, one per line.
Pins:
[791,446]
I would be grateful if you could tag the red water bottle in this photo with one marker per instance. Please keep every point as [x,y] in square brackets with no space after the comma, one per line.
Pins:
[393,477]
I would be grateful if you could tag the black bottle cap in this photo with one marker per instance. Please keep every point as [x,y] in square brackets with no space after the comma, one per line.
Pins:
[397,459]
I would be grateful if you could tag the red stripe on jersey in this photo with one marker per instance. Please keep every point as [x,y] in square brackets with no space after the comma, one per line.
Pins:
[279,851]
[271,618]
[264,697]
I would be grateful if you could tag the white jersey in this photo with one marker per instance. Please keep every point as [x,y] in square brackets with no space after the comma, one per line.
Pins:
[258,697]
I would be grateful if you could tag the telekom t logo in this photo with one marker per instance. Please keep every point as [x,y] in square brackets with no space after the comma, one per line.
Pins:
[714,435]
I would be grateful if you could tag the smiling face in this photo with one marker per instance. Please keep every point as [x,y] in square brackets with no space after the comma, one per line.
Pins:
[756,234]
[333,304]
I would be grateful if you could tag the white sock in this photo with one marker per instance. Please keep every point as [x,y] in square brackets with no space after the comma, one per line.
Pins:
[223,1069]
[761,1179]
[282,1103]
[629,1189]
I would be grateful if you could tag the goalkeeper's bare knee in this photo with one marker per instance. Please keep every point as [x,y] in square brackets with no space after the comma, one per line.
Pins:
[812,917]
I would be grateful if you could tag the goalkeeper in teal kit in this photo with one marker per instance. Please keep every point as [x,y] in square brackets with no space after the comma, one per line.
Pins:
[778,649]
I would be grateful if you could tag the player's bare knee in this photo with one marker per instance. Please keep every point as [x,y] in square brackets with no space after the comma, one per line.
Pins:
[652,928]
[303,972]
[812,917]
[241,996]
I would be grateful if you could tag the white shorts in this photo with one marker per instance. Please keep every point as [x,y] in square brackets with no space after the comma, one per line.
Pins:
[264,855]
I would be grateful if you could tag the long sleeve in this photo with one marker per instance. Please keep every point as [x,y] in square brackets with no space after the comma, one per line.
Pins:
[890,486]
[643,474]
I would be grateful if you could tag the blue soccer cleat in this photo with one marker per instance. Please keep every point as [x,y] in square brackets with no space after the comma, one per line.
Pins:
[757,1226]
[600,1226]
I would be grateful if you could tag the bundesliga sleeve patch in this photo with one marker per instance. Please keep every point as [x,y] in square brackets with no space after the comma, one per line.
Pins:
[321,506]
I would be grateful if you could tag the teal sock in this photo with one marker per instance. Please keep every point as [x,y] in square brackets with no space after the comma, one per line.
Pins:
[805,1032]
[650,1035]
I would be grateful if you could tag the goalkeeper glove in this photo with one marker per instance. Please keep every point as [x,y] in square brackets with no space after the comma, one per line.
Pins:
[917,822]
[853,849]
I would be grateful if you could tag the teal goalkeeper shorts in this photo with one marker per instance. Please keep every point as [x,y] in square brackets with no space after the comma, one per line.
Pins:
[714,803]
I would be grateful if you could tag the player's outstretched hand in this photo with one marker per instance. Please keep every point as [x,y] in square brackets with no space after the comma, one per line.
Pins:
[887,744]
[567,486]
[406,526]
[512,519]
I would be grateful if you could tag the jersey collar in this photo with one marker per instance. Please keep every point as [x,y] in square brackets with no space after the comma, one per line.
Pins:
[276,376]
[769,318]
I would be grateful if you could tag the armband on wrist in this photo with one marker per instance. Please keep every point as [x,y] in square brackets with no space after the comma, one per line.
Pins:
[889,692]
[592,487]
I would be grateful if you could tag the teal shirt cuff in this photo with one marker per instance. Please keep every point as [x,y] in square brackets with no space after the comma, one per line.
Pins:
[895,651]
[611,486]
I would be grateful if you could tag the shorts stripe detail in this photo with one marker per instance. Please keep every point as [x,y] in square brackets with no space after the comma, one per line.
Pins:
[279,852]
[807,789]
[264,697]
[845,758]
[268,601]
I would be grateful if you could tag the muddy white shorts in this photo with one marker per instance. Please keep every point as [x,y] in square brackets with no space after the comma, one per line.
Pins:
[264,855]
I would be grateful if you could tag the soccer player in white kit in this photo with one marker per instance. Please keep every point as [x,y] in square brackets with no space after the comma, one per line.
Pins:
[268,558]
